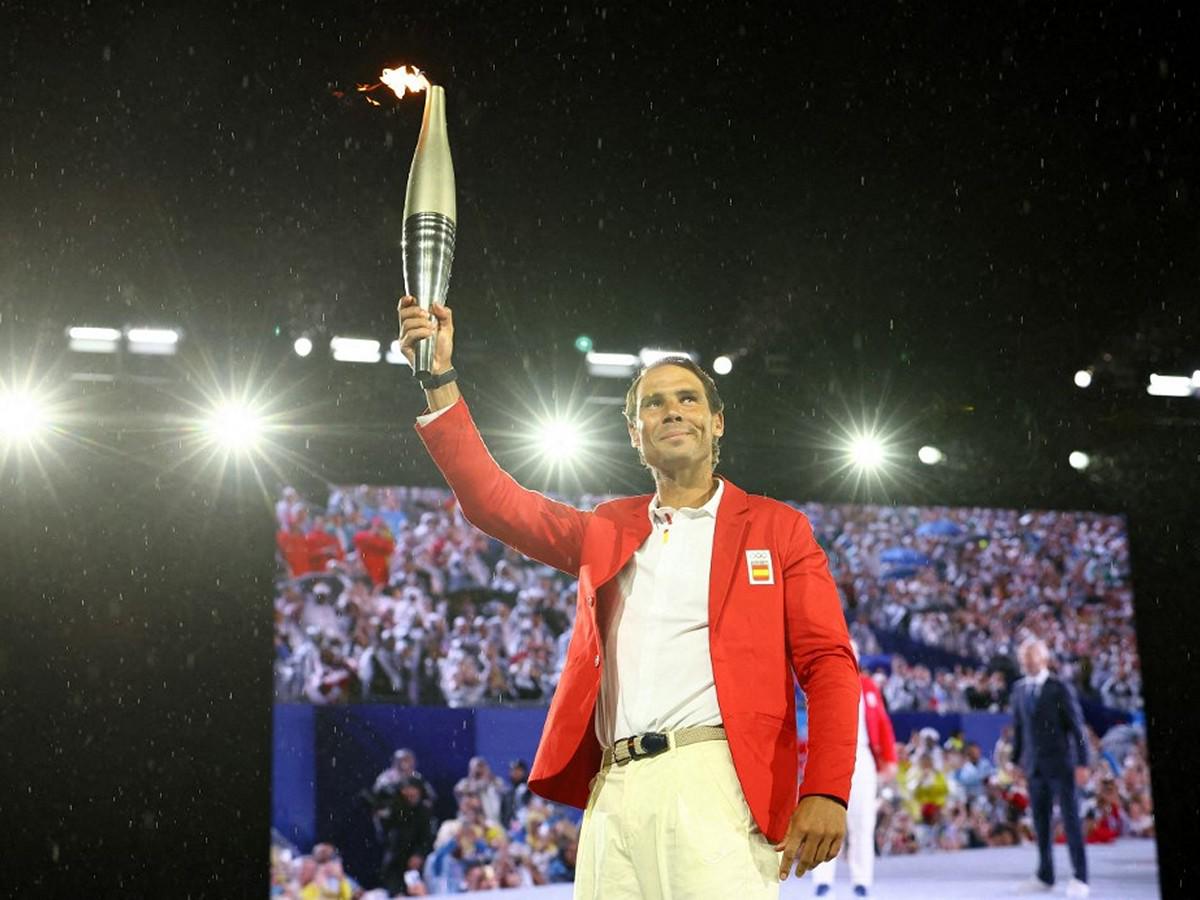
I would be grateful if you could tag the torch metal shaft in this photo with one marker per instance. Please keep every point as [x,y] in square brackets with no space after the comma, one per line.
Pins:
[430,218]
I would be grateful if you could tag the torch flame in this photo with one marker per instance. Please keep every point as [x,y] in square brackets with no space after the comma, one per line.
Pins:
[404,80]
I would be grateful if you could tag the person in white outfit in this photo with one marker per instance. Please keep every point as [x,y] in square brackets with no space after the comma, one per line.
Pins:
[875,759]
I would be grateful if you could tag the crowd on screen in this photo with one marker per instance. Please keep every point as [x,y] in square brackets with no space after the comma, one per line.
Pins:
[502,836]
[967,581]
[389,594]
[947,795]
[956,795]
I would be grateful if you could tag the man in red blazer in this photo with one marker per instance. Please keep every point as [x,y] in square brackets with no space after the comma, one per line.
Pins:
[673,724]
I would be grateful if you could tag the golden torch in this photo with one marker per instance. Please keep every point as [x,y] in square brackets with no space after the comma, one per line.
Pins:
[429,209]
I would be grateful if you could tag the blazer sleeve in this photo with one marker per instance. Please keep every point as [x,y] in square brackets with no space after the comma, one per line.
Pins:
[1073,722]
[492,501]
[824,665]
[887,735]
[1018,724]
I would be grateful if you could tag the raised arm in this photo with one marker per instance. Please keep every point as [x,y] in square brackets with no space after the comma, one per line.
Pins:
[491,499]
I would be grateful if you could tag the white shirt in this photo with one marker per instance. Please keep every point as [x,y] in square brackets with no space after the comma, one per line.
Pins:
[658,671]
[1038,681]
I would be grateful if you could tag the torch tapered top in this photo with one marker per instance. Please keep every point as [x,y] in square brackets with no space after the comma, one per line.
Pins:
[431,178]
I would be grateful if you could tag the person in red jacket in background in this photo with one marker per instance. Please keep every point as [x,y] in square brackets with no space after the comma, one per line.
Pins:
[322,546]
[375,546]
[875,760]
[293,547]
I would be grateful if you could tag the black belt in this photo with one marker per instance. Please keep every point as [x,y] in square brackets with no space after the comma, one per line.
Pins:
[652,743]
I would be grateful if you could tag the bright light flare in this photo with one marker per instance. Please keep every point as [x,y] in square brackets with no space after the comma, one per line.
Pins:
[650,355]
[611,365]
[1079,460]
[867,452]
[235,426]
[153,341]
[931,456]
[303,346]
[22,417]
[358,350]
[1171,386]
[90,339]
[559,440]
[1083,378]
[722,365]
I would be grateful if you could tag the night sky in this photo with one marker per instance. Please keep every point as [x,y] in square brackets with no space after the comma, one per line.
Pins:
[948,207]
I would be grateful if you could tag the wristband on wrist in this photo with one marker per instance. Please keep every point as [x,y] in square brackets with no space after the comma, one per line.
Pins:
[431,382]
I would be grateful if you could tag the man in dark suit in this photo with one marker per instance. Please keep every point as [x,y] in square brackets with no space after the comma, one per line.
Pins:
[1049,744]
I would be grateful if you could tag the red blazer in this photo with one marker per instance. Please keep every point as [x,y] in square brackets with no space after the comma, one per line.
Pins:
[880,735]
[761,636]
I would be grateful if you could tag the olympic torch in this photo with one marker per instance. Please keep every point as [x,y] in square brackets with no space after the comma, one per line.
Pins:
[430,218]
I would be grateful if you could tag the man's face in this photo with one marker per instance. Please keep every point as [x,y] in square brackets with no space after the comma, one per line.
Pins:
[1033,658]
[674,426]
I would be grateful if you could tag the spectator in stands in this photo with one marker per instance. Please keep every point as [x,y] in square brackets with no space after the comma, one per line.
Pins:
[487,786]
[330,882]
[404,768]
[287,507]
[323,547]
[517,795]
[293,548]
[405,825]
[974,772]
[375,546]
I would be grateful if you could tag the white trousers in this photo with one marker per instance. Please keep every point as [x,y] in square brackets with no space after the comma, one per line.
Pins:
[673,827]
[859,846]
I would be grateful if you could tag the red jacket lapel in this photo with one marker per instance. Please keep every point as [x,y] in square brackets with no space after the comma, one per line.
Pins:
[733,521]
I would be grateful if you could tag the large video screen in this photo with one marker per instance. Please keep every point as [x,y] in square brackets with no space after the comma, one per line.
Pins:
[415,657]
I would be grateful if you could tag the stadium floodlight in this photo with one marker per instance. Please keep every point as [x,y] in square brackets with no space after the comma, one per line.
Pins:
[559,440]
[722,365]
[153,341]
[394,356]
[1083,378]
[357,350]
[21,416]
[89,339]
[650,356]
[611,365]
[1079,460]
[867,452]
[303,346]
[931,456]
[234,426]
[1170,386]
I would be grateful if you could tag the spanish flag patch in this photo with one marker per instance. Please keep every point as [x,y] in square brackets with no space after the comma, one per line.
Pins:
[758,564]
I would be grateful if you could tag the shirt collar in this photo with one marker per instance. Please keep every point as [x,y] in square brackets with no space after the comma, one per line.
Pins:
[1040,678]
[662,515]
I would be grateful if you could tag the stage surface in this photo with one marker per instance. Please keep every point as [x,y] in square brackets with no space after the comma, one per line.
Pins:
[1126,870]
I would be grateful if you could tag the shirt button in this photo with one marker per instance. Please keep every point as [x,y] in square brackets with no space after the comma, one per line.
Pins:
[591,600]
[596,661]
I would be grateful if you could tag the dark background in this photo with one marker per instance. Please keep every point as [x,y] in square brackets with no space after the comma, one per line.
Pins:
[922,216]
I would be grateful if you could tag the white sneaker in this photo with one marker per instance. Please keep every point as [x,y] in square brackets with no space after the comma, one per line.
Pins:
[1077,890]
[1034,886]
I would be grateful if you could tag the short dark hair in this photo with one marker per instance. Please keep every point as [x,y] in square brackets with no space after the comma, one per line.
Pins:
[711,394]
